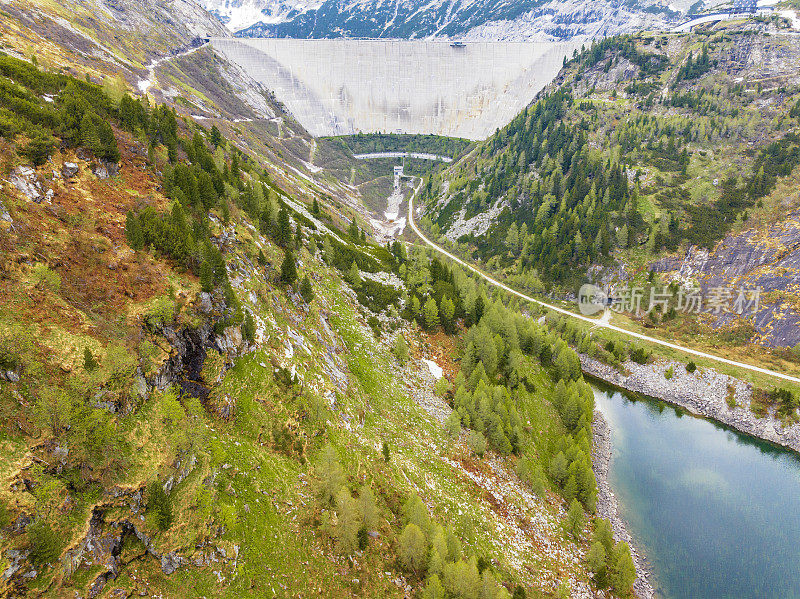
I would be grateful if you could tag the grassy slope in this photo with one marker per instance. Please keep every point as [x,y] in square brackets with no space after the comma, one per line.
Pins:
[257,507]
[266,491]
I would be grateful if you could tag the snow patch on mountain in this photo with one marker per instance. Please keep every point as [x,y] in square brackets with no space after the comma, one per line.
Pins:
[572,19]
[518,20]
[241,14]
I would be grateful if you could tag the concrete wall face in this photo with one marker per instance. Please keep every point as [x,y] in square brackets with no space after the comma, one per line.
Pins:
[341,87]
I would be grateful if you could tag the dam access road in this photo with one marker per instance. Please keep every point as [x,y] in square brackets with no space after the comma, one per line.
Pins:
[594,321]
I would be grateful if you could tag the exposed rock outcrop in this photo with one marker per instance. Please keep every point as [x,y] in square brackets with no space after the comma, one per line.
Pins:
[24,179]
[6,222]
[69,170]
[105,169]
[767,260]
[103,543]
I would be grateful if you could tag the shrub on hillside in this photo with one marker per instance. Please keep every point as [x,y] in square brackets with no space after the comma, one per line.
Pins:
[639,355]
[39,149]
[43,541]
[159,506]
[161,312]
[45,279]
[248,327]
[89,362]
[400,350]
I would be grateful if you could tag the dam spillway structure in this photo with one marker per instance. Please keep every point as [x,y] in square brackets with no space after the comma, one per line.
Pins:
[344,86]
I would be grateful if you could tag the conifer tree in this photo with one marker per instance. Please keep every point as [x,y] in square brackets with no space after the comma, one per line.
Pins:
[352,231]
[622,571]
[353,275]
[298,238]
[108,149]
[89,136]
[413,547]
[39,148]
[575,520]
[596,557]
[433,588]
[400,350]
[327,250]
[328,475]
[348,522]
[288,268]
[283,233]
[216,136]
[207,194]
[206,277]
[368,509]
[306,290]
[385,452]
[133,231]
[447,313]
[431,313]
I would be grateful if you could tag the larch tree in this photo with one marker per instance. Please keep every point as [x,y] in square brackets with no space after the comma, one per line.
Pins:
[622,571]
[413,547]
[400,349]
[575,521]
[431,313]
[348,522]
[328,475]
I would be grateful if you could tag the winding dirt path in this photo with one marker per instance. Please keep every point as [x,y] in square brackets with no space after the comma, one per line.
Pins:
[145,84]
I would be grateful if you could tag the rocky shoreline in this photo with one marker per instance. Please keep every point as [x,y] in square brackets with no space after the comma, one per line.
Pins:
[703,393]
[607,505]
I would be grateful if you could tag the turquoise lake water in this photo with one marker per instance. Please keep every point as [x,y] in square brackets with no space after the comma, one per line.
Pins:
[717,513]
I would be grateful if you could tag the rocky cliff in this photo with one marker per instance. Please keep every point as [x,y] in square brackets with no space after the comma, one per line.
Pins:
[768,259]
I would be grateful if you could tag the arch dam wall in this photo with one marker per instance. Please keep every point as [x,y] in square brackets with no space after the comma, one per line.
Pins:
[342,87]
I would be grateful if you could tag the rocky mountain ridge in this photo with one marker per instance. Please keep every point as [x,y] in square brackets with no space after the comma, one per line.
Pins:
[471,20]
[768,260]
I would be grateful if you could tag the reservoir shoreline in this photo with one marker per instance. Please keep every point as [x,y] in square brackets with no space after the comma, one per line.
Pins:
[702,394]
[607,506]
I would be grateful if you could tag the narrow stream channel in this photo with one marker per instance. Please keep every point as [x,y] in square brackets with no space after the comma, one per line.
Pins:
[717,513]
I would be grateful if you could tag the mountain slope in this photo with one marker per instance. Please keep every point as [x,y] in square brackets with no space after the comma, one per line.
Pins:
[644,146]
[474,19]
[213,383]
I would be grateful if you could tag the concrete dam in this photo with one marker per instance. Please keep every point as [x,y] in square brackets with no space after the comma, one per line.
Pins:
[342,87]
